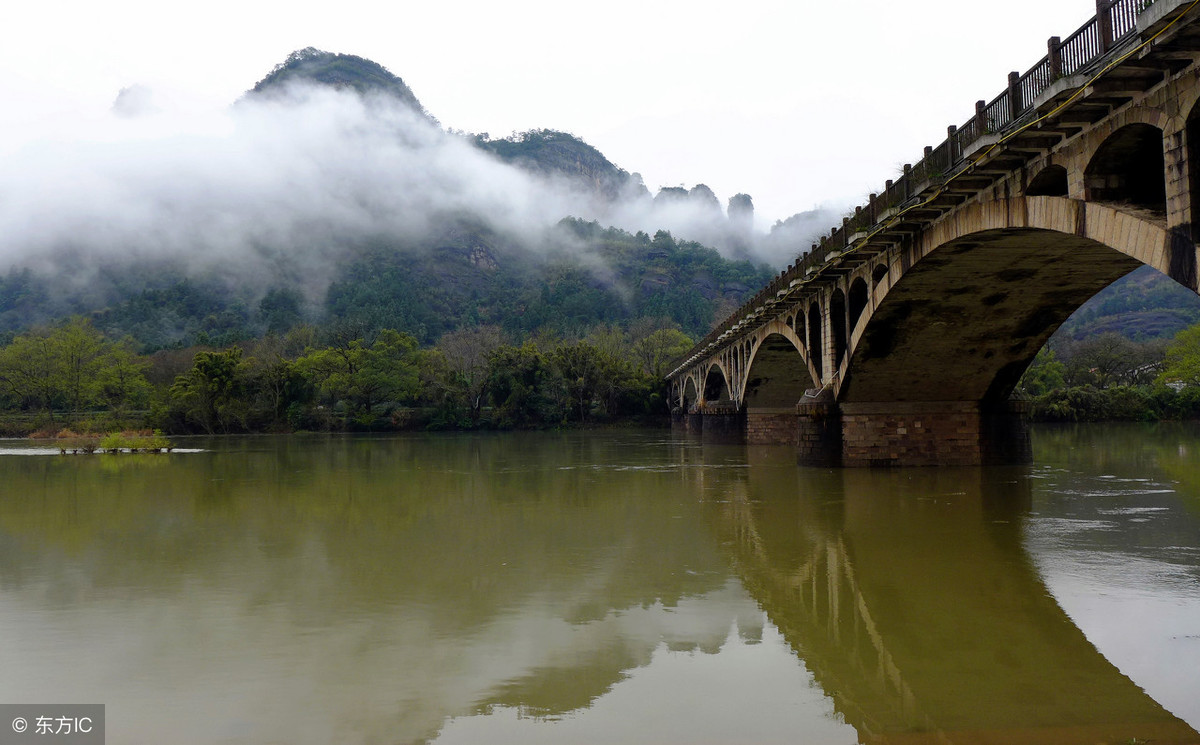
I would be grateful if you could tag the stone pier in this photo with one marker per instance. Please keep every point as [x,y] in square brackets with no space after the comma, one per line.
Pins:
[933,433]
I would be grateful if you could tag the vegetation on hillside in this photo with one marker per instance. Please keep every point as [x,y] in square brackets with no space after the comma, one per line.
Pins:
[1144,305]
[467,276]
[553,153]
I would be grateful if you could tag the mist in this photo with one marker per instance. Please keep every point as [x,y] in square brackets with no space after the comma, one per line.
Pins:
[277,190]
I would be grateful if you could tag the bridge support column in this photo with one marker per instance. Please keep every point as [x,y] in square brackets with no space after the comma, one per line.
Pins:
[722,424]
[819,432]
[772,426]
[683,420]
[935,433]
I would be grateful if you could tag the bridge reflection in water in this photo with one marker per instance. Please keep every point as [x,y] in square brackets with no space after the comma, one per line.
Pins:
[910,598]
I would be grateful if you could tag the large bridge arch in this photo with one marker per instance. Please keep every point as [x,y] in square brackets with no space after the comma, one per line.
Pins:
[988,286]
[1020,216]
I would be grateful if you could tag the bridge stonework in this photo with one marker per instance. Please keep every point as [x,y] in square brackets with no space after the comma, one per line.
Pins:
[900,338]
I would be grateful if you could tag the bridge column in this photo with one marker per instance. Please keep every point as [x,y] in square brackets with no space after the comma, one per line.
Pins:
[721,423]
[933,433]
[686,420]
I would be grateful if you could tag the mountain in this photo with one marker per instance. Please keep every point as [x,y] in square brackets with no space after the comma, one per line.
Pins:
[326,213]
[340,71]
[1144,305]
[552,153]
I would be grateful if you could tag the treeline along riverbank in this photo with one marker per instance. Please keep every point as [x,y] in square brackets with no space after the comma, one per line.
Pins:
[348,377]
[343,377]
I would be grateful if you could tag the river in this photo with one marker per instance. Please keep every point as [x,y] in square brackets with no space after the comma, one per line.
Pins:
[605,587]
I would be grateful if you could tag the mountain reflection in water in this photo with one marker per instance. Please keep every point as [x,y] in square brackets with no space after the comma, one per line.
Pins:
[588,587]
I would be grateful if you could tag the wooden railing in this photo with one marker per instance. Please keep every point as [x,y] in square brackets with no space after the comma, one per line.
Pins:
[1115,22]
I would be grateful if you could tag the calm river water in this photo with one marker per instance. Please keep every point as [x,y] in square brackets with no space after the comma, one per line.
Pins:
[631,587]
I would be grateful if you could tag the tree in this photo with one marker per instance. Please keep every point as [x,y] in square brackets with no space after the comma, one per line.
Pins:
[274,382]
[1104,360]
[467,353]
[658,350]
[281,309]
[210,394]
[122,378]
[520,380]
[72,366]
[363,376]
[581,366]
[1182,359]
[1044,374]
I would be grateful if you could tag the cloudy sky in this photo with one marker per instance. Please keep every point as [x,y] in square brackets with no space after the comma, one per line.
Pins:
[798,103]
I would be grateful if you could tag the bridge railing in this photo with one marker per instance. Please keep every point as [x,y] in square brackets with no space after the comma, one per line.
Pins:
[1114,23]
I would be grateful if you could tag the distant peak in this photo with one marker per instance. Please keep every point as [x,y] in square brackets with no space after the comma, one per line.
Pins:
[340,71]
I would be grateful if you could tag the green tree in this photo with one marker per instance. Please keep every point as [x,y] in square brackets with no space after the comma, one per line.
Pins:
[122,378]
[656,352]
[362,375]
[1181,363]
[582,366]
[520,384]
[281,309]
[275,384]
[211,394]
[1044,374]
[72,366]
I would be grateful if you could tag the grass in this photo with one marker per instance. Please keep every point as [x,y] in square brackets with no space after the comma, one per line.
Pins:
[126,441]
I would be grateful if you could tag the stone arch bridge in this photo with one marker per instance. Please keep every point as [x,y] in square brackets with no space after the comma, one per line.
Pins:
[899,339]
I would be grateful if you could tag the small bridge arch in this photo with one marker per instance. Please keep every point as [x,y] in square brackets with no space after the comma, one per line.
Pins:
[778,371]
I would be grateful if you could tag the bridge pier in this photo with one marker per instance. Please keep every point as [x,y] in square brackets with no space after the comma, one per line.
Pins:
[826,434]
[723,424]
[683,420]
[934,433]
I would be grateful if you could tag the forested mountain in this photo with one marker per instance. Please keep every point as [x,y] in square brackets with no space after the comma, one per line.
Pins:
[408,239]
[1144,305]
[548,152]
[405,225]
[468,276]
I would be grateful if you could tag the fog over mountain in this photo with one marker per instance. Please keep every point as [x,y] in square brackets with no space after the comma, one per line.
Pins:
[303,166]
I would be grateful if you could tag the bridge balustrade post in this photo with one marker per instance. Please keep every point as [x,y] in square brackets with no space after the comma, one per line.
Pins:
[1054,57]
[1015,104]
[954,150]
[1104,28]
[981,123]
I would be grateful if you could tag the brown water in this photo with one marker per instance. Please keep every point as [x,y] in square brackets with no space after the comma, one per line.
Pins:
[629,587]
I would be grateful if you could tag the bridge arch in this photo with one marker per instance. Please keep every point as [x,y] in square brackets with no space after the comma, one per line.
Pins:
[1016,269]
[814,338]
[689,394]
[1128,167]
[858,297]
[716,384]
[1192,141]
[837,326]
[778,371]
[1051,181]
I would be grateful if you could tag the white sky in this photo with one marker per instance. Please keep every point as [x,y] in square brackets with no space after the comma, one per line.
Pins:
[796,102]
